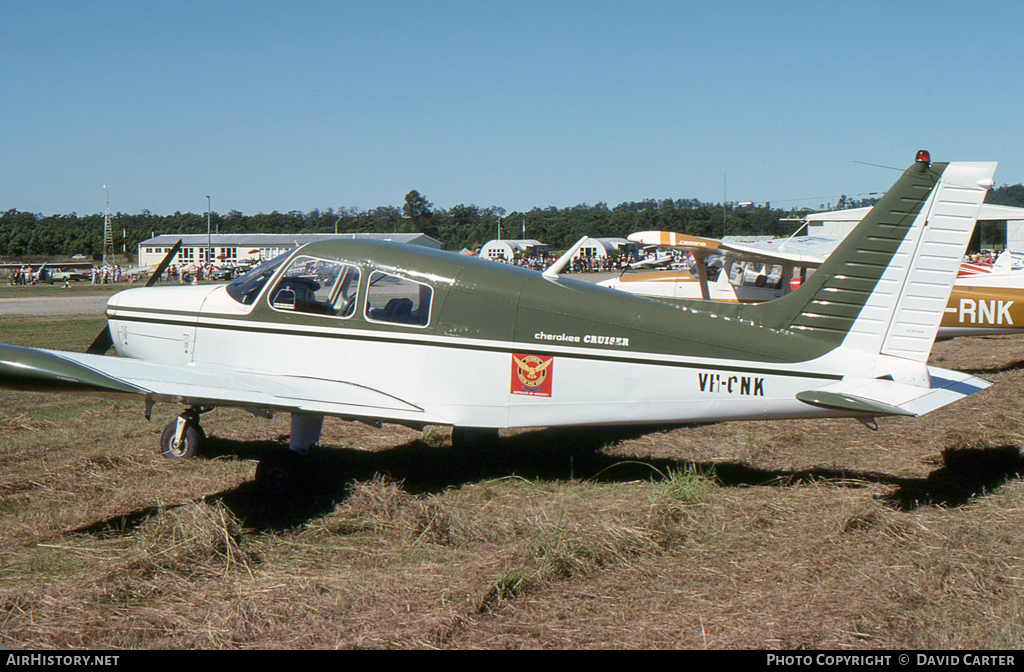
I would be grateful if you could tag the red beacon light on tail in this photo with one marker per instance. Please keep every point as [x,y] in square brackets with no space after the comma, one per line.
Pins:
[923,156]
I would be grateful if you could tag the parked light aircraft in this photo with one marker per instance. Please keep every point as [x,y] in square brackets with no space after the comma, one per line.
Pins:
[721,270]
[986,303]
[985,300]
[385,332]
[656,261]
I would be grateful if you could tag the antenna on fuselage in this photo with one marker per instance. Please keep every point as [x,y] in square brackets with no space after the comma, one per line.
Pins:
[554,269]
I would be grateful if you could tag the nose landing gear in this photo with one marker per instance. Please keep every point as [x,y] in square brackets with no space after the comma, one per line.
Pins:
[183,438]
[283,472]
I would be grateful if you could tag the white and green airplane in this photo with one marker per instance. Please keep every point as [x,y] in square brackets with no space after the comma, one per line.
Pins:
[394,333]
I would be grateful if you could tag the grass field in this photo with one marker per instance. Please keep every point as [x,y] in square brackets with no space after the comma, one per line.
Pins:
[794,534]
[9,291]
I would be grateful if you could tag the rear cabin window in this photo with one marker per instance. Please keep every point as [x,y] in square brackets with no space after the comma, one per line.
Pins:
[318,287]
[753,274]
[397,300]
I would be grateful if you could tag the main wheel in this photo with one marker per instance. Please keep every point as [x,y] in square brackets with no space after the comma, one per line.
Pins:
[283,473]
[191,440]
[473,437]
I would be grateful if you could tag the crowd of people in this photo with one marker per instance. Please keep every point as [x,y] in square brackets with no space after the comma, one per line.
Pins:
[986,257]
[535,262]
[107,274]
[194,274]
[25,275]
[581,264]
[584,264]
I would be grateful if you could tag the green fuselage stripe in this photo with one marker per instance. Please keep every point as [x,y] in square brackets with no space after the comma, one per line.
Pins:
[466,344]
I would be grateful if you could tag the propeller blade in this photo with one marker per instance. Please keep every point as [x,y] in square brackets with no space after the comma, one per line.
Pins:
[162,266]
[101,343]
[104,341]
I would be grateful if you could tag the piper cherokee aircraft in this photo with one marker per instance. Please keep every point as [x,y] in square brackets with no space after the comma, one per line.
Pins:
[383,332]
[984,301]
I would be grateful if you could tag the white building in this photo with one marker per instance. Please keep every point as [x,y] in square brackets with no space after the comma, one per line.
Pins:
[1000,226]
[508,249]
[599,248]
[232,248]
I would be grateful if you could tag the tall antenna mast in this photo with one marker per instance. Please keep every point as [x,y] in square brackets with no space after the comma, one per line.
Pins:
[108,235]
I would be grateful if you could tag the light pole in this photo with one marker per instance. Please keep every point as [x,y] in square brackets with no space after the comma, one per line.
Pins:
[209,247]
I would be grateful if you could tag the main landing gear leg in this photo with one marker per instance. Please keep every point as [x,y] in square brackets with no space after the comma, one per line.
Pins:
[287,472]
[305,431]
[183,437]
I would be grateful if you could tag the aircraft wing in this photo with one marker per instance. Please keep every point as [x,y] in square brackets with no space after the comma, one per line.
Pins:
[50,370]
[806,251]
[670,239]
[877,396]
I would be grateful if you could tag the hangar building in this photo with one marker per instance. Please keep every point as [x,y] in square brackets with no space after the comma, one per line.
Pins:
[599,248]
[508,249]
[1000,227]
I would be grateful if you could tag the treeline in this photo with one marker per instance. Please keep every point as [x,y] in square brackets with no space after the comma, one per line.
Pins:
[462,226]
[1012,195]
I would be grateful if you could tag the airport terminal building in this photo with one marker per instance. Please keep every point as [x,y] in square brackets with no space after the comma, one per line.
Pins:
[234,248]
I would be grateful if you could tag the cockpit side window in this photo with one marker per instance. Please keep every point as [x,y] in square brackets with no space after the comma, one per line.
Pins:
[755,274]
[317,286]
[246,288]
[390,298]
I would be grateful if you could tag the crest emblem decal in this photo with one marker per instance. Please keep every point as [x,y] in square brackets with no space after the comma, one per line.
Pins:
[532,374]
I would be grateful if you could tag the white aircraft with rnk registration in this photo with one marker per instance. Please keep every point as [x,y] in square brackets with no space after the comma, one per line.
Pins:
[382,332]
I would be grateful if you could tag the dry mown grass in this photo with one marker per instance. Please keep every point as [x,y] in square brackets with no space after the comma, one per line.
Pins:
[782,535]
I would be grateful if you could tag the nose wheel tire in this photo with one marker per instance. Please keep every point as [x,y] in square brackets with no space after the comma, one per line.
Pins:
[188,446]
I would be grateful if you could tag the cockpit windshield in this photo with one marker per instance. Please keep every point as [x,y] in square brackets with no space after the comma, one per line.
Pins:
[246,288]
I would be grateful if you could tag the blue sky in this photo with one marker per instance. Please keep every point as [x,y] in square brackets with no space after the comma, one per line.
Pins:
[298,105]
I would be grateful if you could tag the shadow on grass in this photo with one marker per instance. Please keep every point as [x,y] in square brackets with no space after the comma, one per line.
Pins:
[1015,365]
[558,455]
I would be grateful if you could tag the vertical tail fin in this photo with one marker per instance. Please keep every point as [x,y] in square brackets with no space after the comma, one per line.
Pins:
[885,287]
[949,220]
